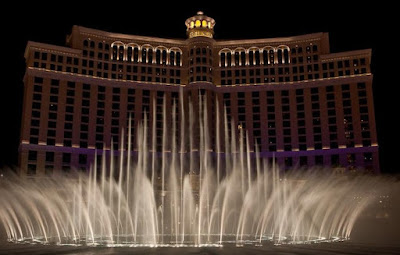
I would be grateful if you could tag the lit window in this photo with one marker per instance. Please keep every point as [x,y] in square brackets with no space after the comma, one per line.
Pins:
[198,23]
[192,24]
[204,23]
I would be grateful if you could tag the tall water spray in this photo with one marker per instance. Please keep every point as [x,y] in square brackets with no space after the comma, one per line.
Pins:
[184,193]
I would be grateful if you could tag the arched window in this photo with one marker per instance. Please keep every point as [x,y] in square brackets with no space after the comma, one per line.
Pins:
[243,58]
[100,45]
[172,58]
[251,58]
[223,55]
[286,56]
[121,53]
[271,57]
[283,54]
[118,51]
[115,52]
[129,54]
[265,57]
[150,56]
[91,44]
[85,43]
[158,56]
[135,55]
[132,52]
[257,57]
[198,23]
[144,55]
[164,57]
[178,58]
[280,56]
[229,59]
[161,55]
[237,58]
[175,56]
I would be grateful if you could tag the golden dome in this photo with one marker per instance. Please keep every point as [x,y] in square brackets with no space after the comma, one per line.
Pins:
[200,25]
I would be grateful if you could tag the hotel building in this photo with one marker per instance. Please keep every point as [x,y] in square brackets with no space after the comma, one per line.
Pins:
[299,102]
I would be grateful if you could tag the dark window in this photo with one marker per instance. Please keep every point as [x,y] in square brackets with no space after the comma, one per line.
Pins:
[66,158]
[49,156]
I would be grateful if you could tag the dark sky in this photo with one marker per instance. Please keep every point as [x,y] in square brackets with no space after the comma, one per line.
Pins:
[350,26]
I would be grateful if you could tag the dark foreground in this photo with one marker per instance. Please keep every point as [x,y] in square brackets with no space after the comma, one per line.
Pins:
[317,249]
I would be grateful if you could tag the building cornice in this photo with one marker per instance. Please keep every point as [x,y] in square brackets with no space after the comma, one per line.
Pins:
[346,55]
[51,48]
[274,41]
[109,36]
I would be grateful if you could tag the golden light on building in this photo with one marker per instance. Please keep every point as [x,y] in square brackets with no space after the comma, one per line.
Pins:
[200,25]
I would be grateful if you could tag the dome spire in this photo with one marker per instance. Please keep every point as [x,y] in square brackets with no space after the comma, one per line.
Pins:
[200,25]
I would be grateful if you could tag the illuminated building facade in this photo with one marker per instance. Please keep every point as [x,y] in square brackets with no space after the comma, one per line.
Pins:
[299,102]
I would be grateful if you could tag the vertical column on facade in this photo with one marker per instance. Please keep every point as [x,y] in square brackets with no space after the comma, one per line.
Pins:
[26,120]
[372,126]
[324,121]
[169,106]
[309,122]
[61,113]
[152,112]
[92,112]
[138,116]
[77,114]
[107,118]
[294,125]
[324,125]
[263,121]
[371,113]
[234,113]
[279,126]
[356,122]
[27,110]
[123,119]
[216,67]
[26,124]
[293,120]
[211,112]
[219,113]
[339,117]
[249,118]
[356,115]
[62,88]
[76,119]
[44,116]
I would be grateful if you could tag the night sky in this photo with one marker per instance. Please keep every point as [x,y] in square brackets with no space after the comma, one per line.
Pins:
[350,27]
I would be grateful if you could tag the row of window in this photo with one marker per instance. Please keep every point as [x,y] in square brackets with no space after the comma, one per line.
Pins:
[146,54]
[285,105]
[82,162]
[254,56]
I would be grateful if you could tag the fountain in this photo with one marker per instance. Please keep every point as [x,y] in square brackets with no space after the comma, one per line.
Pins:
[185,195]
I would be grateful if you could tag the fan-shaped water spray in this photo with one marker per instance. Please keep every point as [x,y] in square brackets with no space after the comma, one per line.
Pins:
[185,195]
